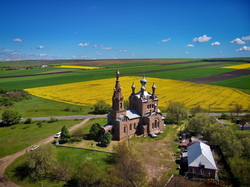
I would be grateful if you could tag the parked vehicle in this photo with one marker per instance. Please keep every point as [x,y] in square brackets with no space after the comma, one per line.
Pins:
[57,135]
[34,147]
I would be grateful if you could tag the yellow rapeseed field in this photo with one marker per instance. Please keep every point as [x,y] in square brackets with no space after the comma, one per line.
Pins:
[240,66]
[87,93]
[79,67]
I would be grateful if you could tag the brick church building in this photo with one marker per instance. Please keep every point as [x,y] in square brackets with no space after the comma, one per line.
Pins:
[143,116]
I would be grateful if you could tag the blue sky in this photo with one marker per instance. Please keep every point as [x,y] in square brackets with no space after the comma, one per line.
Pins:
[107,29]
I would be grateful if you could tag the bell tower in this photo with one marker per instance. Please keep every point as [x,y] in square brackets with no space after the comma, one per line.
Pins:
[117,100]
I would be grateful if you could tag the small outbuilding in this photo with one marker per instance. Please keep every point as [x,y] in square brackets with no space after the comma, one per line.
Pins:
[201,161]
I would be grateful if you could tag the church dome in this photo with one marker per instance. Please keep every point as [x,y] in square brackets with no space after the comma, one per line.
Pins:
[143,81]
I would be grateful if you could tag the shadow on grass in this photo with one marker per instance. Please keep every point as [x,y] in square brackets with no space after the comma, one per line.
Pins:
[21,172]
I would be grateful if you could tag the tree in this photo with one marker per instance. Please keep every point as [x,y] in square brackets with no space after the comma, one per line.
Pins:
[41,162]
[237,109]
[65,135]
[106,139]
[94,131]
[10,117]
[128,170]
[196,109]
[87,175]
[200,123]
[177,111]
[101,107]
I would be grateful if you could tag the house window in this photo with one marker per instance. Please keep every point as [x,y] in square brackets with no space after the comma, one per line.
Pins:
[120,105]
[134,125]
[152,125]
[130,127]
[158,124]
[124,129]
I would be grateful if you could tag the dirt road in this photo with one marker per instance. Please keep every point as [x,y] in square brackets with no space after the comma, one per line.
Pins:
[6,161]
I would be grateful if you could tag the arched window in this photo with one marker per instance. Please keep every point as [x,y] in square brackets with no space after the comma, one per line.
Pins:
[130,126]
[156,123]
[120,105]
[124,129]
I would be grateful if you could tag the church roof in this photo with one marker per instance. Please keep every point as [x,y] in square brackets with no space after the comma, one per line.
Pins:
[200,154]
[132,114]
[146,93]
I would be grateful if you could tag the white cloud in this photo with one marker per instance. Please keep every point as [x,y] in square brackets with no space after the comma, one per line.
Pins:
[244,48]
[237,41]
[166,40]
[107,48]
[215,43]
[123,50]
[40,47]
[83,44]
[245,37]
[190,45]
[186,52]
[17,40]
[202,39]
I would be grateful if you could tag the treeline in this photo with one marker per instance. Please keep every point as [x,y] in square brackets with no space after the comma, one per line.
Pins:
[8,96]
[234,143]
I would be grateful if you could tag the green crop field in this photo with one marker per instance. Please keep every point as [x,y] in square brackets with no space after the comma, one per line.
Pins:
[18,137]
[242,83]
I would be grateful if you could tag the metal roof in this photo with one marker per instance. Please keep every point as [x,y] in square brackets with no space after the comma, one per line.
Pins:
[132,114]
[200,154]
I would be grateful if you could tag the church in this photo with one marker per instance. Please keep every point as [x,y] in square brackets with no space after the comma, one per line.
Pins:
[142,118]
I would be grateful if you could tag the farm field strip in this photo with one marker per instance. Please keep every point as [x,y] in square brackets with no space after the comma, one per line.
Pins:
[78,67]
[220,77]
[178,68]
[240,66]
[87,93]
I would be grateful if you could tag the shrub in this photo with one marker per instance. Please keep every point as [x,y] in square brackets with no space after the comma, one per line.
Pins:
[39,124]
[106,139]
[5,101]
[17,95]
[10,117]
[75,139]
[94,132]
[101,107]
[28,121]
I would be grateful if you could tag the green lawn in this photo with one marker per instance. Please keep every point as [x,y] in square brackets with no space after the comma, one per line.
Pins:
[72,156]
[20,136]
[39,107]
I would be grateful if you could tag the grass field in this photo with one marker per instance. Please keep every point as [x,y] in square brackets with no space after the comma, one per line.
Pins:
[20,136]
[40,107]
[63,155]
